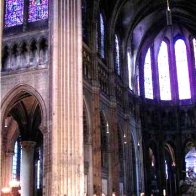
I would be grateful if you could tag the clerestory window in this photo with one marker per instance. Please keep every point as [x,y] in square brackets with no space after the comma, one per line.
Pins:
[166,75]
[101,36]
[117,55]
[18,12]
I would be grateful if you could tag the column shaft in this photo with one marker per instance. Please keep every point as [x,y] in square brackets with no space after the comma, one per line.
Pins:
[27,167]
[67,99]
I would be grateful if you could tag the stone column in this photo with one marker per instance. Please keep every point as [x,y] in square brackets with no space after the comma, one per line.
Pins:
[115,167]
[96,141]
[1,28]
[26,171]
[67,99]
[1,23]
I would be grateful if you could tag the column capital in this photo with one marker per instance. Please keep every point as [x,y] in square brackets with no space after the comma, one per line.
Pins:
[28,144]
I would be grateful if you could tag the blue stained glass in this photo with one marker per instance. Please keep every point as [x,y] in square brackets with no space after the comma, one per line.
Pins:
[182,70]
[148,76]
[15,160]
[164,76]
[14,12]
[38,10]
[117,57]
[129,69]
[102,34]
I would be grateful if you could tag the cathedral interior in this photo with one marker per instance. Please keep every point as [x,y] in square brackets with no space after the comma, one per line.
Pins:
[98,97]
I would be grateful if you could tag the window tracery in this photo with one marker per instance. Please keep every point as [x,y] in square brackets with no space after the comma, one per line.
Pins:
[166,76]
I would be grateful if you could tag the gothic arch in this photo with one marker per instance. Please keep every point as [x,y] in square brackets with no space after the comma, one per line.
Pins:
[9,100]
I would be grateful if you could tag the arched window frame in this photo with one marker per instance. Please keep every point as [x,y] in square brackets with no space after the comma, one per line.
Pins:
[172,68]
[117,54]
[26,22]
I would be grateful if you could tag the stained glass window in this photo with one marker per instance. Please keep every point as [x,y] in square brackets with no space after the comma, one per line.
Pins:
[164,76]
[16,161]
[190,160]
[194,48]
[117,55]
[148,76]
[13,12]
[182,70]
[102,36]
[38,10]
[129,70]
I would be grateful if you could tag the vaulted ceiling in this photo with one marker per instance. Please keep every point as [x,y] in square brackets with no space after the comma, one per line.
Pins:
[135,19]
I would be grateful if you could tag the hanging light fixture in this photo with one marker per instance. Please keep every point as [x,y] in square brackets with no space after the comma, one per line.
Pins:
[168,14]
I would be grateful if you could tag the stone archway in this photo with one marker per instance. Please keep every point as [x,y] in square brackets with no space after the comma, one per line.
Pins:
[22,122]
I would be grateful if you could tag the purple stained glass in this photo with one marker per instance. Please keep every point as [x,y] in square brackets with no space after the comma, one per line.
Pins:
[182,70]
[164,76]
[102,38]
[194,48]
[38,10]
[14,12]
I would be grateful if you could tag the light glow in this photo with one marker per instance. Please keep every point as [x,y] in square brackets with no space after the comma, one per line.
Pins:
[182,70]
[148,76]
[164,76]
[194,49]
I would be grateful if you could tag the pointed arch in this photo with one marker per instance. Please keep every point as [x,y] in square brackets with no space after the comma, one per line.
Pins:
[20,91]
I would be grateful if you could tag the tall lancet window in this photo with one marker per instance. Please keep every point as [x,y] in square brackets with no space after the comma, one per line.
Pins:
[117,55]
[182,70]
[164,76]
[13,12]
[129,70]
[16,161]
[194,48]
[148,76]
[38,10]
[101,36]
